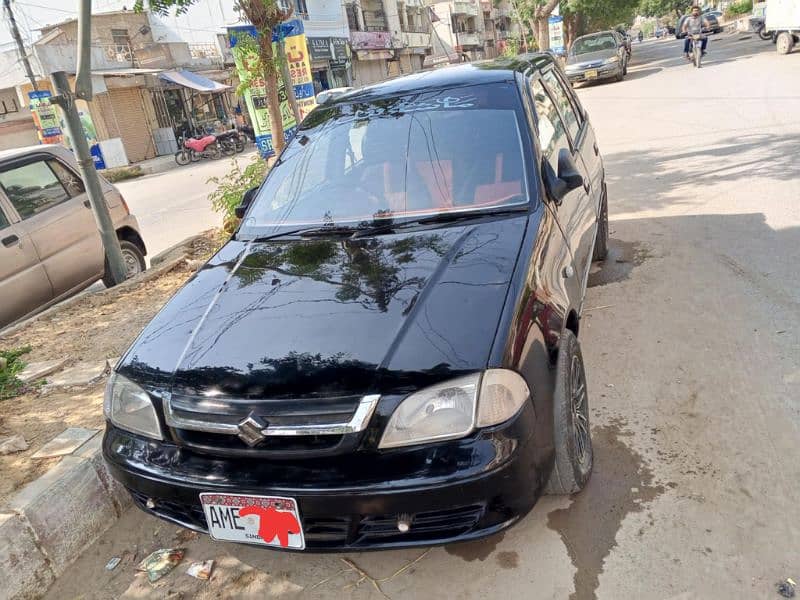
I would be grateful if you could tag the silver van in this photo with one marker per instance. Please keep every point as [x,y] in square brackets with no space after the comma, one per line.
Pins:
[49,244]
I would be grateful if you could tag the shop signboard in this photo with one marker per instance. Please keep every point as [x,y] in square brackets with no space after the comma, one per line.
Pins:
[255,96]
[45,117]
[556,34]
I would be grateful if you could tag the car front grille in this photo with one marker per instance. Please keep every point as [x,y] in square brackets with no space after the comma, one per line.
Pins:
[284,428]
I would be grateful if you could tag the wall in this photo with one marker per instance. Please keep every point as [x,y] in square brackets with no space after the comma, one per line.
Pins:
[17,134]
[102,25]
[11,71]
[326,18]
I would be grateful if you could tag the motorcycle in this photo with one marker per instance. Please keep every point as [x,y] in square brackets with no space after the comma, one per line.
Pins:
[697,49]
[194,148]
[231,142]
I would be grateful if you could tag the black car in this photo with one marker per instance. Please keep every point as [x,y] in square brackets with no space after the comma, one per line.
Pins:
[386,352]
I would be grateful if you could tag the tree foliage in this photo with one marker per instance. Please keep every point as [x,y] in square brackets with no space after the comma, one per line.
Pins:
[659,8]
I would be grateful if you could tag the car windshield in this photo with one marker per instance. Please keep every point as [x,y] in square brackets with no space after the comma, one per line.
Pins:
[423,154]
[593,44]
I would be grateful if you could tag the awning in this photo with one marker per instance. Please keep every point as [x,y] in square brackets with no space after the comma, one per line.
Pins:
[374,54]
[193,81]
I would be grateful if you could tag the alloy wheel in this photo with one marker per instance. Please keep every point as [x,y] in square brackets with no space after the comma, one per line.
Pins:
[579,406]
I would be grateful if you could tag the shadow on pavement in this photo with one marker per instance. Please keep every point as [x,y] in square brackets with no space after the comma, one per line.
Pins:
[635,176]
[642,73]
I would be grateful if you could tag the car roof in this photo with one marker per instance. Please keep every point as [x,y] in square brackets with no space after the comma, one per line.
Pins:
[497,70]
[595,34]
[54,149]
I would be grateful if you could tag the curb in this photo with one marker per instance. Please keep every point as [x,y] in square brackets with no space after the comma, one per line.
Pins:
[53,519]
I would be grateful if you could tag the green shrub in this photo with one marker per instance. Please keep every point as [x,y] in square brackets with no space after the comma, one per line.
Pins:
[230,188]
[123,173]
[742,7]
[11,365]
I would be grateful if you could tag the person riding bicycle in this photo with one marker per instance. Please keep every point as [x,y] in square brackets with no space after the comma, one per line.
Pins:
[693,25]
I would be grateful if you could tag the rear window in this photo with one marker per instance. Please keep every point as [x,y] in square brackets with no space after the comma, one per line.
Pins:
[451,150]
[594,44]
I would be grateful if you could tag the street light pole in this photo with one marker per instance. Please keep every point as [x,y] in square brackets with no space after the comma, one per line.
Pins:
[20,46]
[65,99]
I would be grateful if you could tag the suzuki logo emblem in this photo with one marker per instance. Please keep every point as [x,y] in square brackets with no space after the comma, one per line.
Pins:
[251,430]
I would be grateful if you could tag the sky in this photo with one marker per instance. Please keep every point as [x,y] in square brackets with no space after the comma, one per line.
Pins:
[198,25]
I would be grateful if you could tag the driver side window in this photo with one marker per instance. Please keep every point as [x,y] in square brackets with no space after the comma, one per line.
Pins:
[552,132]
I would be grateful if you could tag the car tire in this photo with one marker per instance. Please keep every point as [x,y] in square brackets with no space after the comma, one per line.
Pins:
[785,42]
[601,238]
[620,76]
[134,262]
[572,440]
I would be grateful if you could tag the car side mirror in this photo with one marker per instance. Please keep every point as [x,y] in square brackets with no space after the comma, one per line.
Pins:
[247,200]
[567,179]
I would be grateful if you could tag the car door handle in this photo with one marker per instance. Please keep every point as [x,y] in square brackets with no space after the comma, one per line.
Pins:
[10,240]
[87,204]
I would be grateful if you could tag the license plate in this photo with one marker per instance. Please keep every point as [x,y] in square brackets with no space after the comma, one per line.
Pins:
[591,74]
[263,520]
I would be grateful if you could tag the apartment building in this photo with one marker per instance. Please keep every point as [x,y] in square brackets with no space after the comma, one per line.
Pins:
[388,38]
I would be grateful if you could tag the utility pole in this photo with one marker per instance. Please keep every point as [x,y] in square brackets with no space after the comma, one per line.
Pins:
[65,99]
[20,46]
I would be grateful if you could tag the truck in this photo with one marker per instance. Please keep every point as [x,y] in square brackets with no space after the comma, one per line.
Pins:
[783,22]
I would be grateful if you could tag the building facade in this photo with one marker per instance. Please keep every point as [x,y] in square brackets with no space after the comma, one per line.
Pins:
[137,110]
[387,37]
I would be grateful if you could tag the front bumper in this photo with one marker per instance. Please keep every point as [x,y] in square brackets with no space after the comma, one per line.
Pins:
[603,72]
[454,491]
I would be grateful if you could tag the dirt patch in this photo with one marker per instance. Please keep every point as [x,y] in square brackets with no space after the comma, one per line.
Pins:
[97,327]
[477,550]
[621,484]
[621,259]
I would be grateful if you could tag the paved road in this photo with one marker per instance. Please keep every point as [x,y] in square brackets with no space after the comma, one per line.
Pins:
[692,350]
[173,205]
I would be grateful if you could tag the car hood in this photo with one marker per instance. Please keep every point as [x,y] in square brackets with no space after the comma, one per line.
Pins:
[589,57]
[333,316]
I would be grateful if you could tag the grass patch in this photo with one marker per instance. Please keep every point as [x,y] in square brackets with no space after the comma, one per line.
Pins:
[11,365]
[123,173]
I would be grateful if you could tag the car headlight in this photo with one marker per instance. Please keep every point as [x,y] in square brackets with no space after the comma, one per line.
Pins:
[613,59]
[454,408]
[129,407]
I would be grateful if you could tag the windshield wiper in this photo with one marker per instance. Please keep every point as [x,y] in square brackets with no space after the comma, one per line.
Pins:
[366,230]
[449,217]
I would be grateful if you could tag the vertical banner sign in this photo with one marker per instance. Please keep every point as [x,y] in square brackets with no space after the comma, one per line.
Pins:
[45,117]
[255,97]
[556,34]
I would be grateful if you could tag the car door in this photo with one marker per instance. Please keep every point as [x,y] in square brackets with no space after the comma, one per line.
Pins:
[24,285]
[587,153]
[574,212]
[54,211]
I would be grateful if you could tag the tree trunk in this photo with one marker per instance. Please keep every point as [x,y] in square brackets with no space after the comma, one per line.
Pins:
[543,33]
[287,80]
[570,26]
[272,85]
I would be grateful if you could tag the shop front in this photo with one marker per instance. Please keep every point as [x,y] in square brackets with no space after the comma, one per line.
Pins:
[373,50]
[330,62]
